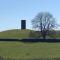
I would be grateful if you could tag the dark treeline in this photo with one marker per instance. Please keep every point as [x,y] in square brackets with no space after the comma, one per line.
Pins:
[32,40]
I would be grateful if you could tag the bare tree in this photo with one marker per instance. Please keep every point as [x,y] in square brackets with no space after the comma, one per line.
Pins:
[44,22]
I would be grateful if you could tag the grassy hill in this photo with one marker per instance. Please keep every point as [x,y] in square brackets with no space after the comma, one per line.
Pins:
[25,33]
[15,33]
[18,33]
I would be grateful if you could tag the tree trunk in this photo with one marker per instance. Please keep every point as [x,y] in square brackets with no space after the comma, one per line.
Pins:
[44,35]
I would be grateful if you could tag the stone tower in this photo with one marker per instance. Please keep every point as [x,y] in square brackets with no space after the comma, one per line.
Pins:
[23,24]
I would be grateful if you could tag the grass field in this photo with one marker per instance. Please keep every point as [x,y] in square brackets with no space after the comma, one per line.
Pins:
[18,33]
[20,50]
[27,51]
[15,33]
[25,33]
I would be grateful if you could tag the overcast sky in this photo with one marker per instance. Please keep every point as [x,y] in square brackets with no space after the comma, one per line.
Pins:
[13,11]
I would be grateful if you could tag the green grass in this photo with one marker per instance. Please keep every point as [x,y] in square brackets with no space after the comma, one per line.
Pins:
[24,33]
[18,33]
[19,50]
[15,33]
